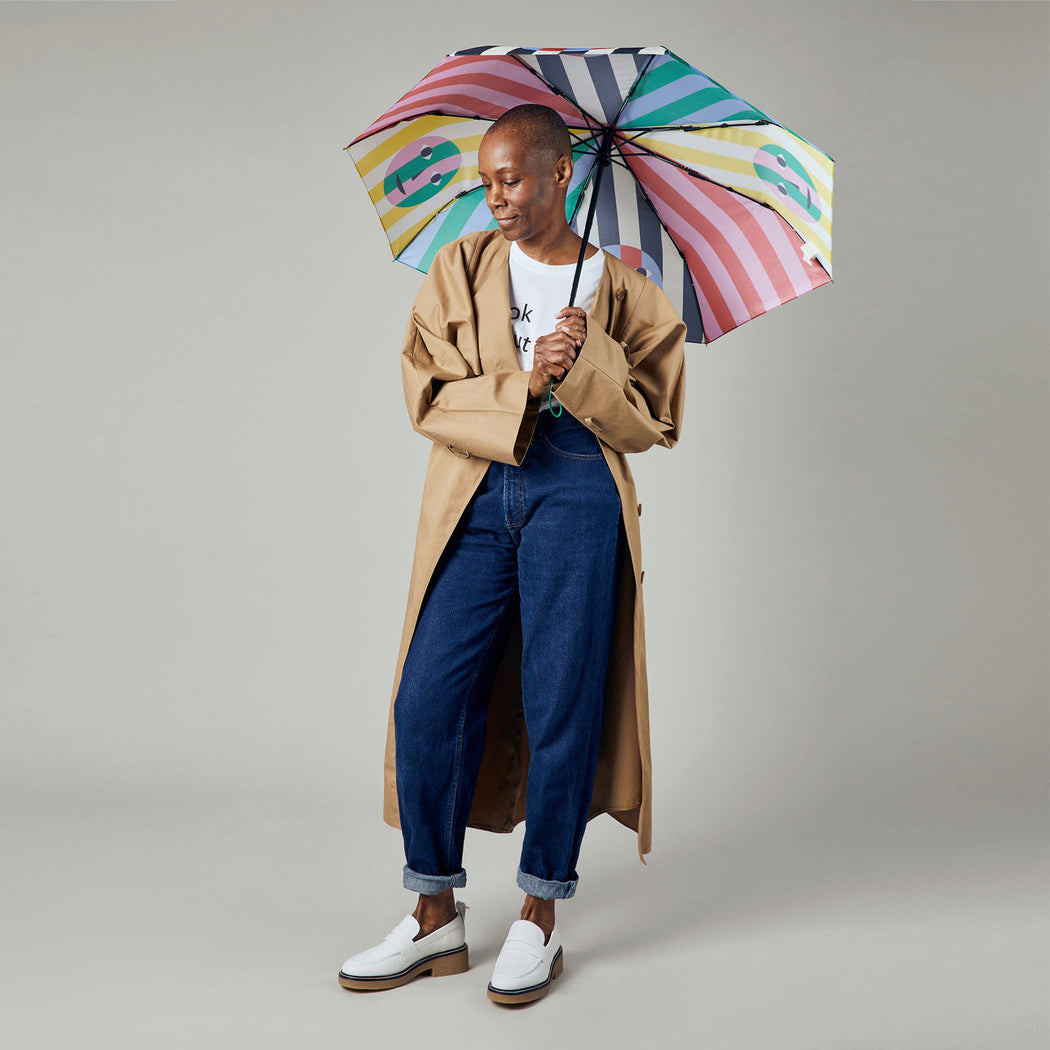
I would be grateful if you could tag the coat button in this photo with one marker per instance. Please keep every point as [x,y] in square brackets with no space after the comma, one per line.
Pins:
[641,579]
[592,422]
[620,295]
[462,453]
[639,510]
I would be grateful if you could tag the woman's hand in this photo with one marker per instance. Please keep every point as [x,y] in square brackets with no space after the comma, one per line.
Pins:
[553,355]
[573,321]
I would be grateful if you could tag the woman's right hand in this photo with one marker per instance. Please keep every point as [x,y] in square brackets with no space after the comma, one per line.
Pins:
[552,357]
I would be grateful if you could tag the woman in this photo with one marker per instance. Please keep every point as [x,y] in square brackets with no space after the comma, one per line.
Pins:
[527,573]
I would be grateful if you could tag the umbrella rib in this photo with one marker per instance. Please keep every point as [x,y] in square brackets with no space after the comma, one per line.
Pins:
[590,141]
[631,90]
[635,132]
[612,159]
[604,158]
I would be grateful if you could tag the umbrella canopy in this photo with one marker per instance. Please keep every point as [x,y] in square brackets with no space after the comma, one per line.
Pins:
[726,210]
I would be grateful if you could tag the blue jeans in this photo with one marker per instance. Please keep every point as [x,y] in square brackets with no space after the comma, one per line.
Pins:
[541,541]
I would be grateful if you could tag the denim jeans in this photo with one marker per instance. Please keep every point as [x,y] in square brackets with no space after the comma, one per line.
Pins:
[540,541]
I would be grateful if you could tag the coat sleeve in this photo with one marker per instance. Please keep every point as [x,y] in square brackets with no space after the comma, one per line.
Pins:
[449,399]
[631,393]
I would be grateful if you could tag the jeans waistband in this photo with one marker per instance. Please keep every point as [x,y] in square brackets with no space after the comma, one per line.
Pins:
[548,421]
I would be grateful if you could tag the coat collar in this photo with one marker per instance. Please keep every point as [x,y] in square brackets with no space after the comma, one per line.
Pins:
[491,293]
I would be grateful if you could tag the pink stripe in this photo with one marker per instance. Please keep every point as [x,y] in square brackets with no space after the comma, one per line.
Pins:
[741,232]
[754,263]
[495,84]
[483,99]
[712,330]
[482,85]
[771,238]
[726,288]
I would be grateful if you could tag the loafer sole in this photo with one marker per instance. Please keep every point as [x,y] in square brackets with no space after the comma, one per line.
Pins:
[442,964]
[535,991]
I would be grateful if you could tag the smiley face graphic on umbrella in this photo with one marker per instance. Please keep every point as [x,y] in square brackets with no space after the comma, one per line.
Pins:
[430,163]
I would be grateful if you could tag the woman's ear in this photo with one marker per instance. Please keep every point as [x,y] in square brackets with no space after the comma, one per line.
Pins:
[563,170]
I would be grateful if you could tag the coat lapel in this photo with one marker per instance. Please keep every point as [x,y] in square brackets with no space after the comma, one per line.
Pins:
[492,310]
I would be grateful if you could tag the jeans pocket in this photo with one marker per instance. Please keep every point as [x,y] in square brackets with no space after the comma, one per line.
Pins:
[572,440]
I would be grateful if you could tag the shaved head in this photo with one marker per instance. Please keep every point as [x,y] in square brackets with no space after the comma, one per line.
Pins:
[538,129]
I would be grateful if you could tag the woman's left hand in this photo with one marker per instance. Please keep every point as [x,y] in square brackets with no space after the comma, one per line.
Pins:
[573,322]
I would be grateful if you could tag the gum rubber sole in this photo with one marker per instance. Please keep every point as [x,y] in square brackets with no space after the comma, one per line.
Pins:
[443,965]
[528,995]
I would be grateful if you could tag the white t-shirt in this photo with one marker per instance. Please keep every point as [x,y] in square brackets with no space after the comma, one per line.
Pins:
[538,291]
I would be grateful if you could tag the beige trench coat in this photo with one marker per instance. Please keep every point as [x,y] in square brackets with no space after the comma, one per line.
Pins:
[467,392]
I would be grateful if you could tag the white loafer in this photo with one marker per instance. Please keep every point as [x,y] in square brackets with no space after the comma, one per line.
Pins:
[398,958]
[525,965]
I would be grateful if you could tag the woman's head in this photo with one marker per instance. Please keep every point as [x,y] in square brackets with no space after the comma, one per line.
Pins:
[525,164]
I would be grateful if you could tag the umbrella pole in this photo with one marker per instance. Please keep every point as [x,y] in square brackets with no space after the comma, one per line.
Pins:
[603,160]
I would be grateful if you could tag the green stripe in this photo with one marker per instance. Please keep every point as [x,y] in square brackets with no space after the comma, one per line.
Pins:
[457,214]
[669,73]
[572,199]
[674,112]
[662,75]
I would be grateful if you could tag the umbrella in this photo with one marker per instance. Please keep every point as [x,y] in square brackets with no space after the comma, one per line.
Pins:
[726,210]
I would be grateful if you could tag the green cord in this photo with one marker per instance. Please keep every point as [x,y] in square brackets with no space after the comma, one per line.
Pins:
[551,402]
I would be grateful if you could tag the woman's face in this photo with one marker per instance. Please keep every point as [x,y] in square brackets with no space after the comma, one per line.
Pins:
[525,194]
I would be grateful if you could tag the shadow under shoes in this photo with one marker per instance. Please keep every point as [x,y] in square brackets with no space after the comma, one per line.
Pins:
[398,958]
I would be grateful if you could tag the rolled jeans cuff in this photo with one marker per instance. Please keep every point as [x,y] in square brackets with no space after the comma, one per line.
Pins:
[431,883]
[546,889]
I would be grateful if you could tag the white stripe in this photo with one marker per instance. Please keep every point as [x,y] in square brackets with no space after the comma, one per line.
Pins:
[652,49]
[626,206]
[673,271]
[583,89]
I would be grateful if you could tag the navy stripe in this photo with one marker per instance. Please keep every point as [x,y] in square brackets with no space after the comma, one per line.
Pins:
[608,223]
[600,69]
[554,72]
[652,243]
[691,310]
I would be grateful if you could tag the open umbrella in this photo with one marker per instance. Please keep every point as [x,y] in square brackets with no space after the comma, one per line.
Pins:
[729,212]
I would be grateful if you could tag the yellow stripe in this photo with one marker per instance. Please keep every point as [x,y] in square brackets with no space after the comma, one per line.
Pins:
[409,132]
[741,137]
[750,137]
[403,240]
[697,158]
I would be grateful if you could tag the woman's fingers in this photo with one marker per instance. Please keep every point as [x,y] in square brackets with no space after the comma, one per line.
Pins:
[573,320]
[575,333]
[554,354]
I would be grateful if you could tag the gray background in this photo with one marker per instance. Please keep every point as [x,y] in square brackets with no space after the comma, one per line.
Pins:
[210,490]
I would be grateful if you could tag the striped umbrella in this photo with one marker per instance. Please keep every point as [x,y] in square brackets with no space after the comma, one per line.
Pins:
[726,210]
